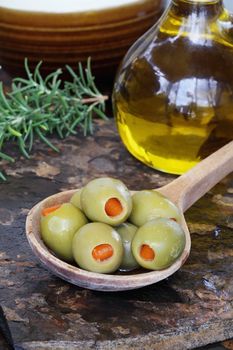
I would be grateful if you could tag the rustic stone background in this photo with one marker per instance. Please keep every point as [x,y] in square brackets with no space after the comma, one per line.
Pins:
[192,308]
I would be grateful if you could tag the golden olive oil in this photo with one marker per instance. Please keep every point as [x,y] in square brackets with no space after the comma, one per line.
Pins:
[173,96]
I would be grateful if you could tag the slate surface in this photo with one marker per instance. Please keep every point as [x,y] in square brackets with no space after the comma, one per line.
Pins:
[192,308]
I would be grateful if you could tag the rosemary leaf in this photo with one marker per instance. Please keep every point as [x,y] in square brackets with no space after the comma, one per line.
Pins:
[6,157]
[2,177]
[43,138]
[22,147]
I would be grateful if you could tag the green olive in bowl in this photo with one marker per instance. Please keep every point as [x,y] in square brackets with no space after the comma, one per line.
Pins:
[127,232]
[58,226]
[106,200]
[150,204]
[97,247]
[158,244]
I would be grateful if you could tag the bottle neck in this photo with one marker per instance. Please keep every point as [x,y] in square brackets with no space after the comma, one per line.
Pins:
[207,8]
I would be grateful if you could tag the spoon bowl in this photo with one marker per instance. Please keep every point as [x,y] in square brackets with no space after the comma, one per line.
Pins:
[183,191]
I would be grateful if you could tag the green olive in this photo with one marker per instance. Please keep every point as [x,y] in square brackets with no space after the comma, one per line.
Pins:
[97,247]
[106,200]
[148,205]
[59,227]
[157,244]
[127,232]
[76,199]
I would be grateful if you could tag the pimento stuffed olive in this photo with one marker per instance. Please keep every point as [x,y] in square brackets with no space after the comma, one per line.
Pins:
[97,247]
[76,199]
[148,205]
[127,232]
[106,200]
[158,244]
[58,225]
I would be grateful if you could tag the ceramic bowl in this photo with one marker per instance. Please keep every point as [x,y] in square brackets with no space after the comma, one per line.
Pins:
[67,32]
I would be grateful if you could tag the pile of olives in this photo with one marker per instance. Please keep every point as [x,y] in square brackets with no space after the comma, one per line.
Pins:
[104,228]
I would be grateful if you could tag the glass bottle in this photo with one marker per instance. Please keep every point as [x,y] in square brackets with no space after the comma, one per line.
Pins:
[173,95]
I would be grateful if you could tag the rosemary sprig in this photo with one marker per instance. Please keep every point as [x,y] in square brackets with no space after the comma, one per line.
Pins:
[36,107]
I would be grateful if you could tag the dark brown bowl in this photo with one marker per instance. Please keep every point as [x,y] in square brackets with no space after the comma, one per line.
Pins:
[67,38]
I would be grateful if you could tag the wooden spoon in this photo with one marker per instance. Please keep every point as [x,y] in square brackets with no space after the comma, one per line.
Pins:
[183,191]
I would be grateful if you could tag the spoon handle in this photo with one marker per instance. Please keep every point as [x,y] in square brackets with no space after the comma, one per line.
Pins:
[188,188]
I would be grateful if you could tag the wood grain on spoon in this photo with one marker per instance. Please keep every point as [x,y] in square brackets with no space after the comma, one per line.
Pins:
[184,191]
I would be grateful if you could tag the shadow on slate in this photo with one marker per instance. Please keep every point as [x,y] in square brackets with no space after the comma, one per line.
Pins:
[212,347]
[6,333]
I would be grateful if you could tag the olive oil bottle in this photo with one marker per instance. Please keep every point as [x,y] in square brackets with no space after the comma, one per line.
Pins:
[173,95]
